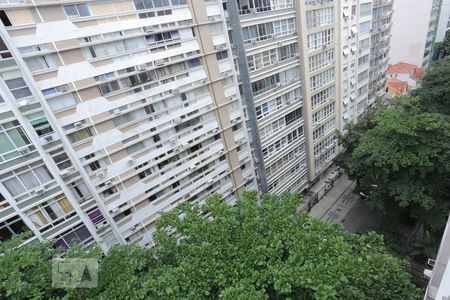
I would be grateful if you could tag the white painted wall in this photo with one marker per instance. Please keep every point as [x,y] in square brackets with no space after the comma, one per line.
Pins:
[444,19]
[409,31]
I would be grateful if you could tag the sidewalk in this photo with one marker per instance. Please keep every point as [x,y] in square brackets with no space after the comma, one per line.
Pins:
[335,204]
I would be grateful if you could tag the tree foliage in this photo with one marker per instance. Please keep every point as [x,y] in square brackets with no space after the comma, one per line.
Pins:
[435,88]
[404,156]
[253,250]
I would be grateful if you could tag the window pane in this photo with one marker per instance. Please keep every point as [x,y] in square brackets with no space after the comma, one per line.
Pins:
[5,144]
[83,10]
[18,137]
[70,10]
[29,180]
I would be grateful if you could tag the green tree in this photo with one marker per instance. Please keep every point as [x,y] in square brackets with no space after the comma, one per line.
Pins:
[253,250]
[435,88]
[404,157]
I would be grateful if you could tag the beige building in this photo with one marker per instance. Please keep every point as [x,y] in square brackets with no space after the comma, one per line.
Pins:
[113,112]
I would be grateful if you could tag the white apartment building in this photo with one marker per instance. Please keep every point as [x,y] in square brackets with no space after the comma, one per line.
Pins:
[265,41]
[319,37]
[356,25]
[112,112]
[380,48]
[414,30]
[444,21]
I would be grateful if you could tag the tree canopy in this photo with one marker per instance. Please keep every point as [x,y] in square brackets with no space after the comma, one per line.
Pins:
[434,90]
[257,249]
[402,156]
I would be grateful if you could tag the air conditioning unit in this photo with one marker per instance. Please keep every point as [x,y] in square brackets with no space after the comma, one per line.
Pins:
[48,138]
[141,67]
[23,151]
[229,99]
[234,121]
[211,18]
[279,84]
[114,209]
[175,91]
[130,161]
[78,124]
[178,149]
[219,47]
[225,74]
[249,178]
[65,173]
[173,141]
[215,130]
[23,102]
[40,190]
[256,160]
[63,88]
[188,22]
[233,46]
[108,183]
[253,41]
[116,111]
[160,62]
[177,120]
[211,181]
[220,152]
[101,175]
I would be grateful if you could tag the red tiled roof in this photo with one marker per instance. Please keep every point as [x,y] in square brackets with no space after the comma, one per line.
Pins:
[402,67]
[398,85]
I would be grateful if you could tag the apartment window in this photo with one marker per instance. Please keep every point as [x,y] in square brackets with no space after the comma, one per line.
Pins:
[79,235]
[321,60]
[80,135]
[293,116]
[28,180]
[146,4]
[364,27]
[364,44]
[164,37]
[39,63]
[195,62]
[77,10]
[320,39]
[324,113]
[49,212]
[40,123]
[11,139]
[18,88]
[134,148]
[363,60]
[11,227]
[323,96]
[222,55]
[321,79]
[62,102]
[365,10]
[319,17]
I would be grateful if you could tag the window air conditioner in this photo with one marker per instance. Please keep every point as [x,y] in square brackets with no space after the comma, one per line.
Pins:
[40,190]
[23,151]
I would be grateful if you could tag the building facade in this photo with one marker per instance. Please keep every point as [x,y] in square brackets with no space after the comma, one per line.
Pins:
[414,31]
[113,112]
[264,37]
[356,28]
[380,48]
[152,103]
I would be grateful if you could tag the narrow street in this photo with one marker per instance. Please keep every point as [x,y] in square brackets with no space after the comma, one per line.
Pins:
[341,206]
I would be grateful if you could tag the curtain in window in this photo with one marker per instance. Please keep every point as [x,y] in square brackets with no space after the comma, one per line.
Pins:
[14,186]
[38,218]
[43,174]
[29,180]
[65,205]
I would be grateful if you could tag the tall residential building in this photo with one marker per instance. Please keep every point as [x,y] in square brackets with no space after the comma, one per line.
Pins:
[356,25]
[444,21]
[319,39]
[264,36]
[439,277]
[151,103]
[380,45]
[112,112]
[414,30]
